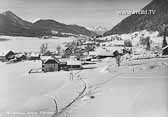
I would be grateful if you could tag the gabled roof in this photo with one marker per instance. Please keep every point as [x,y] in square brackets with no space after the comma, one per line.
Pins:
[4,53]
[49,59]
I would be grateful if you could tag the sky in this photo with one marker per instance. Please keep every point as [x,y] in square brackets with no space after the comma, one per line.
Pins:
[81,12]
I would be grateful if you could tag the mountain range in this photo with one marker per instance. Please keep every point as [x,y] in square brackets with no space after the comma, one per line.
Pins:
[12,25]
[150,22]
[98,29]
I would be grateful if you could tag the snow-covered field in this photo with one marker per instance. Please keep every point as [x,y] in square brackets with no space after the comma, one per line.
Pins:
[30,44]
[24,92]
[136,89]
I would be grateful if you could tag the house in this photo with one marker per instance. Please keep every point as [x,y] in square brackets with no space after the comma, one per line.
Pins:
[6,56]
[74,65]
[50,64]
[165,50]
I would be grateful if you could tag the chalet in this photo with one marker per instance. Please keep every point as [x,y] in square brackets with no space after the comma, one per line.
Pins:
[74,65]
[6,56]
[165,50]
[50,64]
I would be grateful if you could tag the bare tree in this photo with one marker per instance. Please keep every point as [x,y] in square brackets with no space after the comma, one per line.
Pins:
[58,48]
[148,44]
[127,43]
[43,48]
[117,56]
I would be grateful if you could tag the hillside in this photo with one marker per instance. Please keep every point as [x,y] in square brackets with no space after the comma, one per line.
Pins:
[10,24]
[145,21]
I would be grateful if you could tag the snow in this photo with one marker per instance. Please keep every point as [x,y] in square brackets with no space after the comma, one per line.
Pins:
[124,92]
[21,91]
[138,88]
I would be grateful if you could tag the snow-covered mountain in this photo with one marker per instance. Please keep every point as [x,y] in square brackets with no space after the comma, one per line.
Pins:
[149,21]
[12,25]
[98,29]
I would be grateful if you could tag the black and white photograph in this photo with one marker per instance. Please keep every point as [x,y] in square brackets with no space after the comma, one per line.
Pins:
[83,58]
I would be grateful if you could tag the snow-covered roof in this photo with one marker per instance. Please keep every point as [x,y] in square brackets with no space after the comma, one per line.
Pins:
[44,58]
[49,58]
[52,60]
[126,36]
[34,54]
[70,62]
[19,55]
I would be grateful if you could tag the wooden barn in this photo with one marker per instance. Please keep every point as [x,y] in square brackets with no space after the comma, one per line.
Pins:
[50,64]
[6,56]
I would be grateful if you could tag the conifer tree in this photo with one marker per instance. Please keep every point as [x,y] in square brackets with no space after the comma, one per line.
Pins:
[164,38]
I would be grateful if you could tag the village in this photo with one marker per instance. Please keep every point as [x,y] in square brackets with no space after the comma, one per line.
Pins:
[75,54]
[84,58]
[54,82]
